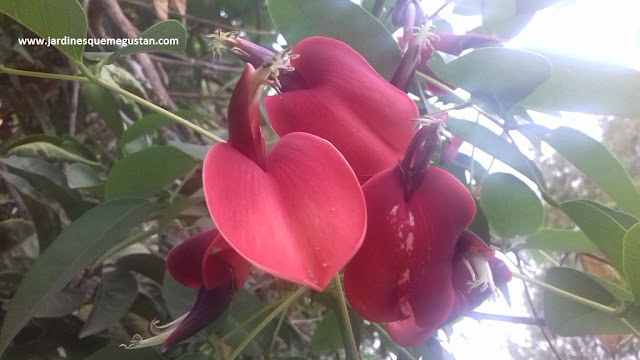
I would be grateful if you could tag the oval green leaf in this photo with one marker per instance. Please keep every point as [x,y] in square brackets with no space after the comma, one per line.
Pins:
[81,176]
[147,171]
[606,233]
[61,19]
[593,159]
[498,76]
[560,240]
[118,290]
[149,40]
[511,207]
[586,85]
[631,259]
[569,318]
[342,20]
[496,146]
[83,241]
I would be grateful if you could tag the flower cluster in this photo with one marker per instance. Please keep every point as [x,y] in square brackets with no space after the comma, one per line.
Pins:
[348,185]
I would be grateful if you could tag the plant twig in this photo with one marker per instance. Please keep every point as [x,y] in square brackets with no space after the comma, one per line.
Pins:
[283,305]
[507,318]
[568,295]
[351,345]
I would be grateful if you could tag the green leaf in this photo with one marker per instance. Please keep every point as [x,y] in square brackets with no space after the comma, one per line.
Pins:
[153,122]
[498,76]
[626,220]
[618,292]
[600,228]
[45,219]
[342,20]
[586,85]
[48,150]
[51,19]
[560,240]
[593,159]
[148,40]
[149,265]
[512,208]
[569,318]
[118,290]
[147,171]
[49,179]
[83,241]
[81,176]
[101,101]
[631,259]
[327,336]
[63,303]
[179,299]
[196,151]
[111,353]
[496,146]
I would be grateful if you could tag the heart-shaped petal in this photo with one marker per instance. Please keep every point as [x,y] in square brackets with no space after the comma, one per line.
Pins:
[300,217]
[342,99]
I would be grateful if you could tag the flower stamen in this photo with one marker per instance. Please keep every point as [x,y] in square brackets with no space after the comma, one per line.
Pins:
[160,332]
[224,40]
[482,277]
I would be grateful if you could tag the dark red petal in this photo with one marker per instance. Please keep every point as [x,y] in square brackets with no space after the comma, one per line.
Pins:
[346,102]
[407,333]
[409,248]
[184,261]
[219,260]
[300,218]
[209,305]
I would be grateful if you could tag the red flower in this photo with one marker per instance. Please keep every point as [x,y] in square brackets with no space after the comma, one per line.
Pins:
[205,261]
[338,96]
[297,212]
[476,273]
[416,215]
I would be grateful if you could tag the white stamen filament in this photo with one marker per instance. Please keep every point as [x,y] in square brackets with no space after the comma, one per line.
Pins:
[137,341]
[482,277]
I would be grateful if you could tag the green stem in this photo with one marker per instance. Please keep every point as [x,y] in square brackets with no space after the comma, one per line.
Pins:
[149,105]
[249,320]
[275,333]
[635,331]
[383,332]
[566,294]
[351,345]
[267,320]
[42,75]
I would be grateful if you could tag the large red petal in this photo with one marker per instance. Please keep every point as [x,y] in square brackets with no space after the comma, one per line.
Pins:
[184,261]
[301,218]
[346,102]
[408,252]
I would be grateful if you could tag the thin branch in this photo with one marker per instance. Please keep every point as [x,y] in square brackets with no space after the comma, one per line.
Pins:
[543,329]
[435,13]
[73,107]
[351,345]
[507,318]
